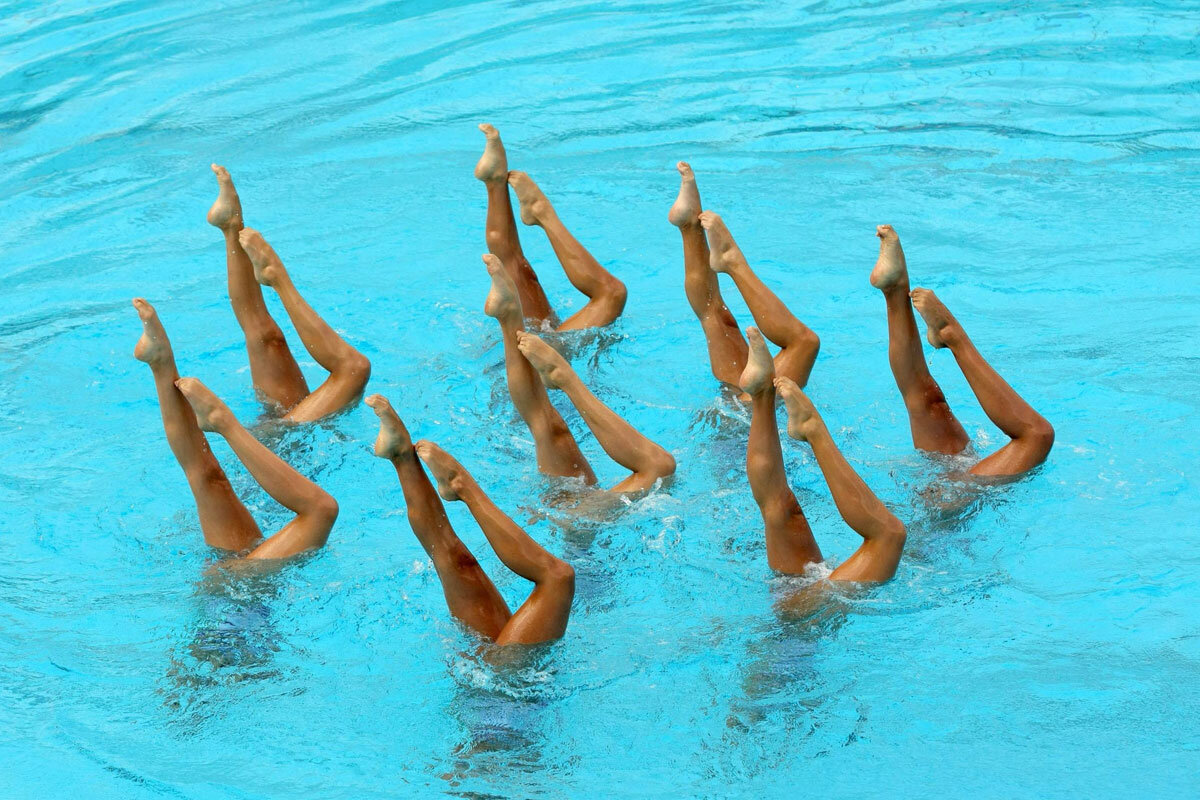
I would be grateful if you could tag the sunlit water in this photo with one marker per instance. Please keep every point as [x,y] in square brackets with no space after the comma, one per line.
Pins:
[1040,161]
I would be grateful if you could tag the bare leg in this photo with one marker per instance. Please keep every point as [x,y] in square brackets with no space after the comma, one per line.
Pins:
[502,239]
[726,347]
[606,295]
[883,534]
[1032,436]
[934,426]
[273,369]
[315,510]
[470,595]
[790,543]
[620,440]
[348,368]
[799,345]
[543,616]
[223,518]
[557,451]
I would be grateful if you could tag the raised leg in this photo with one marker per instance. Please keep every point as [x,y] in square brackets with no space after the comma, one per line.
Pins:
[798,344]
[606,295]
[273,369]
[224,520]
[791,547]
[543,616]
[1032,436]
[502,239]
[315,509]
[620,440]
[470,595]
[726,347]
[348,368]
[557,451]
[883,534]
[934,426]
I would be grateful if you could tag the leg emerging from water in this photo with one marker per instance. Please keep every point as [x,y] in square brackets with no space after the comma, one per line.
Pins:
[557,451]
[606,295]
[273,369]
[620,440]
[790,543]
[883,534]
[1032,436]
[470,595]
[348,368]
[934,427]
[543,616]
[502,239]
[223,518]
[315,509]
[798,344]
[726,347]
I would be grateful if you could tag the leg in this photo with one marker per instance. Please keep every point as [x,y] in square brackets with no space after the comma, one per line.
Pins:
[883,534]
[606,295]
[799,345]
[272,368]
[543,616]
[223,518]
[1032,436]
[502,239]
[315,509]
[348,368]
[557,451]
[726,347]
[791,547]
[470,595]
[620,440]
[934,427]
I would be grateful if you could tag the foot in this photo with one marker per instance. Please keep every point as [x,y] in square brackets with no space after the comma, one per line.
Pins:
[393,440]
[890,268]
[447,472]
[268,268]
[154,348]
[211,413]
[553,368]
[502,302]
[686,211]
[534,205]
[803,419]
[226,212]
[493,164]
[723,252]
[941,324]
[760,367]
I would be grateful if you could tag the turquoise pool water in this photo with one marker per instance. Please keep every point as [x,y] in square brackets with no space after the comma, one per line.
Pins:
[1040,161]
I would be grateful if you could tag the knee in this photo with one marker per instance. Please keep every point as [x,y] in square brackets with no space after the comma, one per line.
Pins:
[325,508]
[207,473]
[268,337]
[561,574]
[613,294]
[928,395]
[495,239]
[354,367]
[805,339]
[1040,436]
[780,511]
[661,464]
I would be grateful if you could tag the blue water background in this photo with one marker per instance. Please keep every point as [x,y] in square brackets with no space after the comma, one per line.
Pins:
[1041,162]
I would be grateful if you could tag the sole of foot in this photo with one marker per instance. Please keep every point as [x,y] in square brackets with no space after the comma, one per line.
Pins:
[534,205]
[553,368]
[760,367]
[267,266]
[152,347]
[393,439]
[211,413]
[940,323]
[723,252]
[502,301]
[226,210]
[446,470]
[493,164]
[686,210]
[802,414]
[890,268]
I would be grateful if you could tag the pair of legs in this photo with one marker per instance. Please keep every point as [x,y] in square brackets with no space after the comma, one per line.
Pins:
[727,349]
[606,295]
[250,261]
[470,594]
[791,547]
[189,408]
[531,366]
[934,426]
